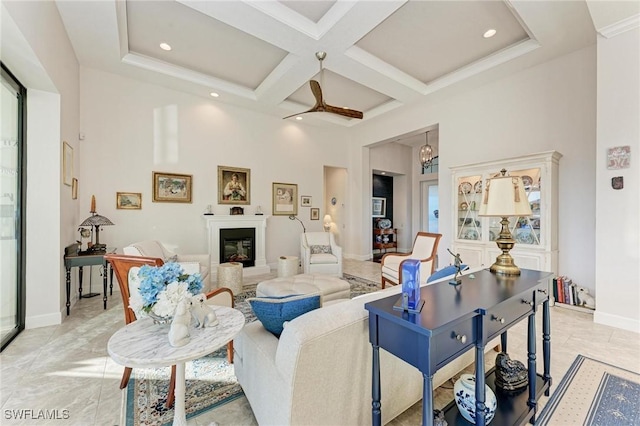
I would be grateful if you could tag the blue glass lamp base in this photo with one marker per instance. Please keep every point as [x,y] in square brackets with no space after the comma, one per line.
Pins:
[398,306]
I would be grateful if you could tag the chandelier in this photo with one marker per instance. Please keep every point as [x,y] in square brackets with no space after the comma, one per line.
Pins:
[426,152]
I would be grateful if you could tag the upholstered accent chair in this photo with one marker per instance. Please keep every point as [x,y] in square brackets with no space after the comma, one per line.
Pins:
[425,248]
[191,263]
[320,254]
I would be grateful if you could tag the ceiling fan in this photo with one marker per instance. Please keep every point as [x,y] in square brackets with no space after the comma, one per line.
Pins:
[321,105]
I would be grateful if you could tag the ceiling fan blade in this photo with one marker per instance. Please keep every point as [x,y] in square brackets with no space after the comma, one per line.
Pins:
[347,112]
[317,92]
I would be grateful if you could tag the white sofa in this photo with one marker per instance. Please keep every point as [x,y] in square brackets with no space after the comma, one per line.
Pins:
[319,371]
[190,263]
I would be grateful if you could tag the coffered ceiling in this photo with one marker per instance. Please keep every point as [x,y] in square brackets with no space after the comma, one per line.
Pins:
[381,55]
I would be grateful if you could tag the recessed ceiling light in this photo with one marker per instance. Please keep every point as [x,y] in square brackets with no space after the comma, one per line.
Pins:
[165,46]
[489,33]
[298,118]
[383,173]
[214,94]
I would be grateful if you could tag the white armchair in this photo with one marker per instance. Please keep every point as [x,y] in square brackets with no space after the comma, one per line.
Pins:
[191,263]
[320,254]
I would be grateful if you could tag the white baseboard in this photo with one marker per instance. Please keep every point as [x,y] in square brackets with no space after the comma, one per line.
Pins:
[617,321]
[45,320]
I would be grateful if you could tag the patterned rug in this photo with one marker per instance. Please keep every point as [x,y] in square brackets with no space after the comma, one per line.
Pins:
[210,381]
[594,393]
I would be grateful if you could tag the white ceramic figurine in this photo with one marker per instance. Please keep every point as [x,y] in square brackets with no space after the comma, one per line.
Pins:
[179,331]
[202,313]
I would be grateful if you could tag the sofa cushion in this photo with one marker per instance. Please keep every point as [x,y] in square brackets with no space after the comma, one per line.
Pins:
[318,249]
[273,312]
[445,272]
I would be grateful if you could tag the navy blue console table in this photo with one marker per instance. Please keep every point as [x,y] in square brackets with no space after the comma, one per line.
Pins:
[455,319]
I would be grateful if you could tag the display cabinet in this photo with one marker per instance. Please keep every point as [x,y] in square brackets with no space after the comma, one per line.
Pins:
[384,239]
[536,236]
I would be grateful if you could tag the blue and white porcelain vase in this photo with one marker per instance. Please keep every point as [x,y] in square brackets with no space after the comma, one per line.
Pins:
[464,392]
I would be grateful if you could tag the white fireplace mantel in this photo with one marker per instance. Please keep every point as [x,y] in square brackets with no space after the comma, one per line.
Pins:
[215,223]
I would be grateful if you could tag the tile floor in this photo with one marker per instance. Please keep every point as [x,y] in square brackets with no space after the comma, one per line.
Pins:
[66,367]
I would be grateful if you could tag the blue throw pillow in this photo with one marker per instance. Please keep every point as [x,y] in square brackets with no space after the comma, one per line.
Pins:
[445,272]
[273,312]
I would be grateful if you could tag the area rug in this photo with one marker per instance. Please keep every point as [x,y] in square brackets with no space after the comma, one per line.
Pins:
[210,381]
[594,393]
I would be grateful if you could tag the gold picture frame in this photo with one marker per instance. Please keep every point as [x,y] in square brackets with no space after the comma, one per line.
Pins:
[67,164]
[74,189]
[172,187]
[129,200]
[234,185]
[285,199]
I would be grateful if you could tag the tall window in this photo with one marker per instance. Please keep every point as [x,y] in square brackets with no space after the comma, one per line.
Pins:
[12,206]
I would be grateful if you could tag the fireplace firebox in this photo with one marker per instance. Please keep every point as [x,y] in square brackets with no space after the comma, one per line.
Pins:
[238,245]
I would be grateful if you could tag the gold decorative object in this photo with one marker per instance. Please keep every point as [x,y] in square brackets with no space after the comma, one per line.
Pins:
[505,196]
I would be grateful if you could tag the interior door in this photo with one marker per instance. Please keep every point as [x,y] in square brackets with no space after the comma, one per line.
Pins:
[430,206]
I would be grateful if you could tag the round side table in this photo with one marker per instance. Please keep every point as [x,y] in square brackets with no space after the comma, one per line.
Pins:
[230,276]
[287,266]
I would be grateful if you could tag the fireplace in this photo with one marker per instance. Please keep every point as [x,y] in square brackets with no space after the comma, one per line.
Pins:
[238,245]
[255,223]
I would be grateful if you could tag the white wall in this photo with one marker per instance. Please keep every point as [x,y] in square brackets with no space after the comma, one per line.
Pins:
[335,186]
[550,106]
[46,64]
[617,211]
[118,155]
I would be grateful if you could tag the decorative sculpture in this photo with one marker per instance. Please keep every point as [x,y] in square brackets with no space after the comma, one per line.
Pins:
[202,313]
[457,262]
[585,298]
[511,375]
[179,331]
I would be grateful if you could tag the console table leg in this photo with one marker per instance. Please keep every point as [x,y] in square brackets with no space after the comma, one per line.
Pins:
[480,390]
[376,412]
[427,400]
[503,342]
[105,267]
[110,280]
[80,275]
[68,288]
[546,344]
[531,349]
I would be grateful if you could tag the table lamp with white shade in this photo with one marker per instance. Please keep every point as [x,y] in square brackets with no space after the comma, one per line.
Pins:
[327,222]
[504,196]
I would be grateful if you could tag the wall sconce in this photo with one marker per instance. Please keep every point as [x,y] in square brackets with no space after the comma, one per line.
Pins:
[327,222]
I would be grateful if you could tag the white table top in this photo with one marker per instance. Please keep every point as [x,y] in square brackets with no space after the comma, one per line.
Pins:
[143,344]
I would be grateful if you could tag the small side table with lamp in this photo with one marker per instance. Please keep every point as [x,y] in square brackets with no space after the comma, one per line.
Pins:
[93,255]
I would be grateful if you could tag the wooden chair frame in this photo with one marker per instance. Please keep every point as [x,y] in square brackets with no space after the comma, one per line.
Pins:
[434,253]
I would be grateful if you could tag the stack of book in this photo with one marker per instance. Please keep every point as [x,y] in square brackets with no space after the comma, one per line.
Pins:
[564,290]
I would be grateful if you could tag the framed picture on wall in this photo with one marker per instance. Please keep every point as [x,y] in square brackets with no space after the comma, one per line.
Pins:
[285,199]
[305,201]
[74,189]
[67,164]
[171,187]
[129,200]
[378,206]
[315,213]
[234,185]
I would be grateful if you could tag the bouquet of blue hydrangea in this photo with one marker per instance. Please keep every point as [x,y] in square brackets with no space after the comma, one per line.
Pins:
[161,288]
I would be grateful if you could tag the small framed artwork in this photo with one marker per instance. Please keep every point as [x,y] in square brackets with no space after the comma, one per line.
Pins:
[74,189]
[315,213]
[378,206]
[305,201]
[234,185]
[171,187]
[129,200]
[67,164]
[285,199]
[619,157]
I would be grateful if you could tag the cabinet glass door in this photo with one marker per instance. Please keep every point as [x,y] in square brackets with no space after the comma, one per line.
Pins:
[526,230]
[468,203]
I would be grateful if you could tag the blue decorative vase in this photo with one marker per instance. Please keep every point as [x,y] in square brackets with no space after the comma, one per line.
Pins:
[411,282]
[464,391]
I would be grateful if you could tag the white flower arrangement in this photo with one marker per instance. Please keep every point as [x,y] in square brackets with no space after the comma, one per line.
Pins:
[162,288]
